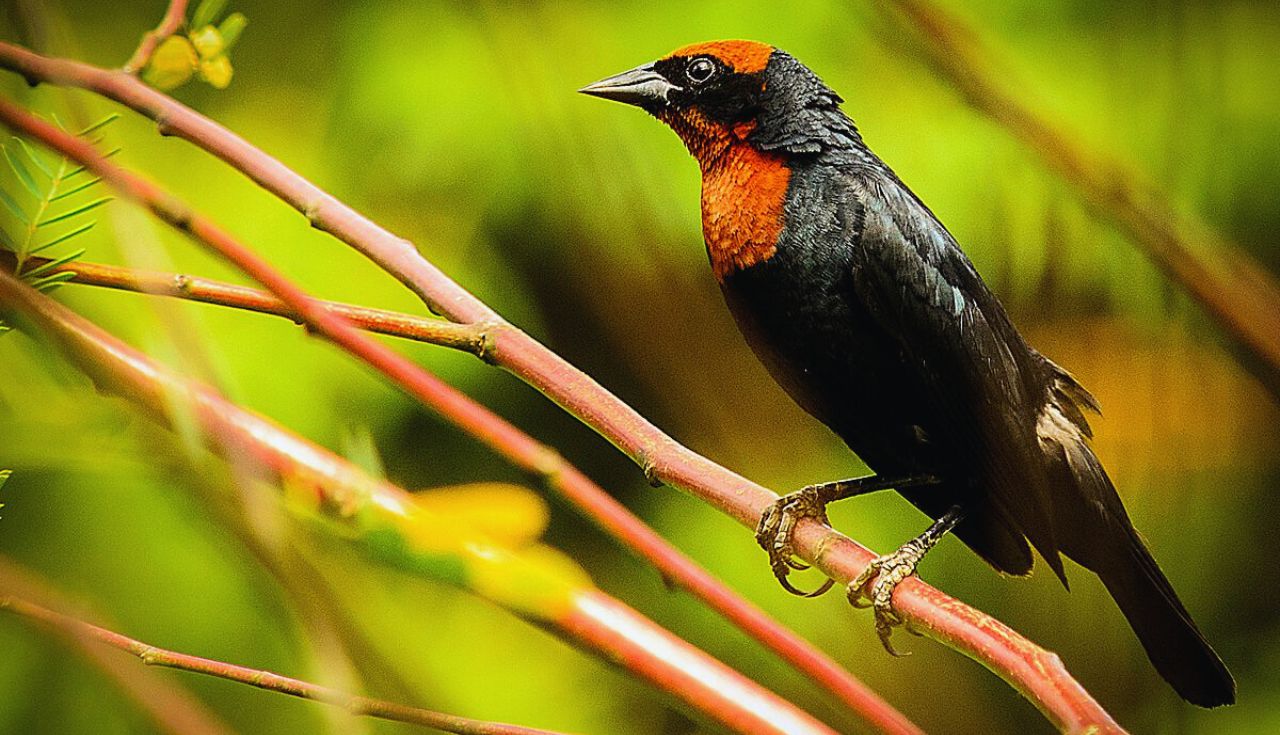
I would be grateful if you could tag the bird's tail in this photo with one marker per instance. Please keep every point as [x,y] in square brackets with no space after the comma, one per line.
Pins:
[1093,529]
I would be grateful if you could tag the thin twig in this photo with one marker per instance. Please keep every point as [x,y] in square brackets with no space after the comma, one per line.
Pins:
[364,504]
[1233,288]
[173,18]
[352,703]
[501,436]
[1038,674]
[462,337]
[171,708]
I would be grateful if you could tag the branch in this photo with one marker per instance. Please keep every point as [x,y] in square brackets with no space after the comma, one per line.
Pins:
[394,528]
[522,450]
[461,337]
[1235,290]
[169,24]
[1038,674]
[352,703]
[170,708]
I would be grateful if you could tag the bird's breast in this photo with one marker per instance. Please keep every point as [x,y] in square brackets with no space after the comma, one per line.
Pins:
[743,193]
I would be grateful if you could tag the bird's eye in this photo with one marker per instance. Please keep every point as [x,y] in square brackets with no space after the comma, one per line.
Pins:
[700,70]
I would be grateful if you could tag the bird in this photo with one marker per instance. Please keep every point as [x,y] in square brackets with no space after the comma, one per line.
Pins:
[866,311]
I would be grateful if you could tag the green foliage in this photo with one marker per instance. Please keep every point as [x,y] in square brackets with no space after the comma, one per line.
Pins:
[203,51]
[4,477]
[50,207]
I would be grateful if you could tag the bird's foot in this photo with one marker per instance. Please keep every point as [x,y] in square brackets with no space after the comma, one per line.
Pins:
[890,570]
[777,524]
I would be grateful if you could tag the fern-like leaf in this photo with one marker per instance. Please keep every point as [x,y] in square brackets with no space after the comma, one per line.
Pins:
[47,183]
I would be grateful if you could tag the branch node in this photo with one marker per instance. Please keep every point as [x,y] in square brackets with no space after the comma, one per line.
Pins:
[149,655]
[182,283]
[163,126]
[486,343]
[314,212]
[649,466]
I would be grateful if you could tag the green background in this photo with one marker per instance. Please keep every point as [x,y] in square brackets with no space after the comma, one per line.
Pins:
[456,125]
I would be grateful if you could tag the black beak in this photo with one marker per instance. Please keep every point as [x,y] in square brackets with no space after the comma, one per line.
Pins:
[641,86]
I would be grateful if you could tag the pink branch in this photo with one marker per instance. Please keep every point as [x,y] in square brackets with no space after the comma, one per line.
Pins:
[173,18]
[589,617]
[504,438]
[1038,674]
[356,705]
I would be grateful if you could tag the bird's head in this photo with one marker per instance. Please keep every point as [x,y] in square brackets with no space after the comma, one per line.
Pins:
[722,92]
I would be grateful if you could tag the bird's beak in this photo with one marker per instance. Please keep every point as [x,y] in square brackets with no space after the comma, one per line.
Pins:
[641,86]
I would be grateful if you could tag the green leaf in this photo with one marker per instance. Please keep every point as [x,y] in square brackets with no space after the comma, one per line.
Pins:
[231,28]
[172,64]
[208,42]
[6,242]
[77,211]
[49,283]
[76,190]
[80,169]
[4,474]
[34,158]
[206,11]
[216,71]
[100,124]
[23,174]
[63,238]
[53,264]
[12,206]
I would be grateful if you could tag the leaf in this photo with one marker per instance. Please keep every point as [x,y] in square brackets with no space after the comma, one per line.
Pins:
[206,11]
[34,158]
[49,283]
[511,515]
[4,474]
[217,72]
[208,42]
[100,124]
[52,264]
[172,64]
[231,28]
[12,206]
[78,210]
[63,238]
[23,174]
[76,190]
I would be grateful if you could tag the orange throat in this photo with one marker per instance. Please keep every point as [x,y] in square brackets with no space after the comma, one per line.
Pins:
[743,190]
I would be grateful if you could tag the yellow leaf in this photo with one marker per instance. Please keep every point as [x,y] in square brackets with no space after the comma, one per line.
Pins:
[508,514]
[172,63]
[538,581]
[216,71]
[208,42]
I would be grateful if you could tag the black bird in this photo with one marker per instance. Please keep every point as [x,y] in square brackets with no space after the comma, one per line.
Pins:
[864,308]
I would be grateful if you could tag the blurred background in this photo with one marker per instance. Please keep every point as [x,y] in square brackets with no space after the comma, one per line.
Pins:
[456,125]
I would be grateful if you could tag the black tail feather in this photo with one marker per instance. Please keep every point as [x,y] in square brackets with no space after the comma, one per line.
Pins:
[1095,531]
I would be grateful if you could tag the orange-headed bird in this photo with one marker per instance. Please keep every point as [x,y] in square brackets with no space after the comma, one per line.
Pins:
[869,315]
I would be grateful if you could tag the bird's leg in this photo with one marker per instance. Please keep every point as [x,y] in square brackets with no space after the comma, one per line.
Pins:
[895,567]
[774,531]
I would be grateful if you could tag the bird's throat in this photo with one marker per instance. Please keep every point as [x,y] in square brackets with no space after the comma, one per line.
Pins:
[743,190]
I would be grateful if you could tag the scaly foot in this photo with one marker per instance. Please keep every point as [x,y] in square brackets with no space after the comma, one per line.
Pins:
[774,533]
[890,570]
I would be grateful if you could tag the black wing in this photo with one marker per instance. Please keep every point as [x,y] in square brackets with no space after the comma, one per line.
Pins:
[979,386]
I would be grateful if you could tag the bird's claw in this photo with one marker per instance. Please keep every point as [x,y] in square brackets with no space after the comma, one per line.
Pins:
[888,571]
[774,534]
